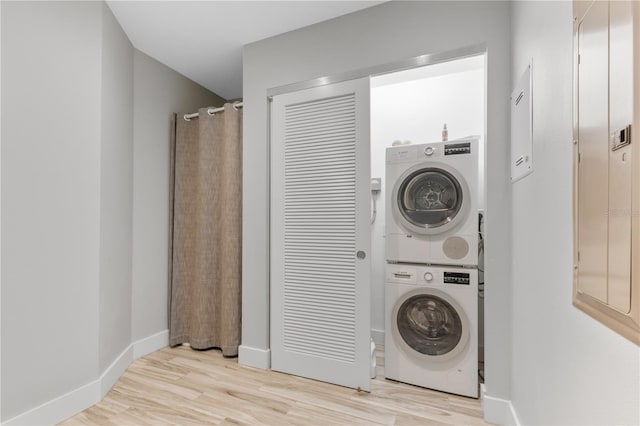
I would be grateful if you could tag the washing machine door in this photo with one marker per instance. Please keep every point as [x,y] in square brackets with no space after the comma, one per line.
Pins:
[430,198]
[429,323]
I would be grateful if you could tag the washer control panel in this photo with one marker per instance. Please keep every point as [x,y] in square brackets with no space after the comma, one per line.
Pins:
[430,275]
[457,148]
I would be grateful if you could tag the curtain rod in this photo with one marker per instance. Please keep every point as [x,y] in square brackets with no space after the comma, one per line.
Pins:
[210,111]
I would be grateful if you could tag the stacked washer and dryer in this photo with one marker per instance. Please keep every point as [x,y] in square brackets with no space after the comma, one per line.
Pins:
[431,285]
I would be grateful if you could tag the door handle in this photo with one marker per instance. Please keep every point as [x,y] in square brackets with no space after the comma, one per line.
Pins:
[361,254]
[402,275]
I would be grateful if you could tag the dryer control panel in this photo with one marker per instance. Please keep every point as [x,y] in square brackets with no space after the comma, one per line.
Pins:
[456,278]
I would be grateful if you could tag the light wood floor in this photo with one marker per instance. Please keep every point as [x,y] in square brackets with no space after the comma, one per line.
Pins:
[180,386]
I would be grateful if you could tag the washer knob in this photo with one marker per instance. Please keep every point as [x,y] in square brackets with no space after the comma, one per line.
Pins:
[428,277]
[428,151]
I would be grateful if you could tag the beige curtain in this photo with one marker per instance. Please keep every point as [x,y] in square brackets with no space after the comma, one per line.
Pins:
[206,227]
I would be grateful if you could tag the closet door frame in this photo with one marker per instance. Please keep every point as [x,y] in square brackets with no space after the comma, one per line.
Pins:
[380,69]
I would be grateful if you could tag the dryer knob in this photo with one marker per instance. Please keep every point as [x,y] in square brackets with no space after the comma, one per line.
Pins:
[428,277]
[428,151]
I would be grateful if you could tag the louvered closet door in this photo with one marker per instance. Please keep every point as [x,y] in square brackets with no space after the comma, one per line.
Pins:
[320,233]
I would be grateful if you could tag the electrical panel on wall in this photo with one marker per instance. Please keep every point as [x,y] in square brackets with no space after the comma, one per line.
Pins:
[521,127]
[606,164]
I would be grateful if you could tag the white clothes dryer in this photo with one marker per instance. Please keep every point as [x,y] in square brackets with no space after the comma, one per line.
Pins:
[432,206]
[431,334]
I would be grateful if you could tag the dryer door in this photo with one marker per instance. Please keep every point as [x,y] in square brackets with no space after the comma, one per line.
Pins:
[430,199]
[429,323]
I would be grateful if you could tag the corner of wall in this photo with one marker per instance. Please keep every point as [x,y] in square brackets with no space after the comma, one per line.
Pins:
[117,368]
[71,403]
[254,357]
[116,190]
[377,336]
[497,410]
[0,211]
[135,350]
[150,344]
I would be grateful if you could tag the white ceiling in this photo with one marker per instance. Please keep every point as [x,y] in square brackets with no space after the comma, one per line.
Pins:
[203,39]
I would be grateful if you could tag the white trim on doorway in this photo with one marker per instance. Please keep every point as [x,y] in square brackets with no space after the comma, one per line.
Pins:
[415,62]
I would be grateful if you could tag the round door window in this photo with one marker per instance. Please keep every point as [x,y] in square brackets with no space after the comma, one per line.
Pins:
[430,198]
[429,324]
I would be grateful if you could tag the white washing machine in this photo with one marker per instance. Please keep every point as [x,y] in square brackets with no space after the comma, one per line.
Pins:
[432,327]
[432,204]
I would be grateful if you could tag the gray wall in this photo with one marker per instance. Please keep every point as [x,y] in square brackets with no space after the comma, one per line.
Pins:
[567,367]
[50,200]
[390,32]
[0,215]
[70,81]
[159,92]
[116,190]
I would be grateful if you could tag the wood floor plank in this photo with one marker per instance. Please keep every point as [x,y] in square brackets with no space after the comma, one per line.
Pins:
[181,386]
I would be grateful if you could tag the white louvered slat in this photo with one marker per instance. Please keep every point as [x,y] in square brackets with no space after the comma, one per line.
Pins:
[320,151]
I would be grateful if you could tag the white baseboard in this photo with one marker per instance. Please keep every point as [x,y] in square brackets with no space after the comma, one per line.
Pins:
[498,410]
[513,415]
[377,336]
[150,344]
[69,404]
[112,373]
[254,357]
[60,408]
